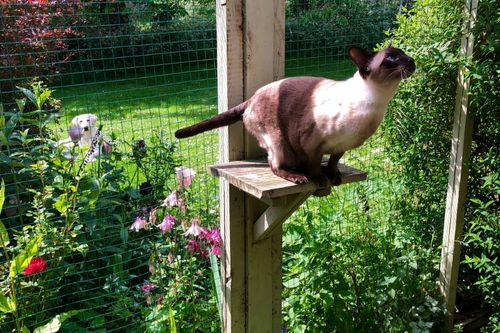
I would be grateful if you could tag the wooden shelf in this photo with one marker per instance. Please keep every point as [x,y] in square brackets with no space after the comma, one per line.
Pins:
[283,197]
[256,178]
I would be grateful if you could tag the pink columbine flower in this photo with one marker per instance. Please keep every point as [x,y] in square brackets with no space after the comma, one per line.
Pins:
[193,246]
[213,236]
[172,200]
[195,229]
[167,224]
[184,176]
[139,223]
[216,250]
[147,287]
[36,265]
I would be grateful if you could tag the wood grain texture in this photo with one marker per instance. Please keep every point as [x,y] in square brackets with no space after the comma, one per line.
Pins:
[458,176]
[255,177]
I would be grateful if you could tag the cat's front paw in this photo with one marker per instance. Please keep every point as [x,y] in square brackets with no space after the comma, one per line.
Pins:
[297,179]
[336,179]
[321,181]
[293,177]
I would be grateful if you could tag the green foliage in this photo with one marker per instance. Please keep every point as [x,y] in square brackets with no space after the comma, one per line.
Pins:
[420,125]
[482,210]
[364,280]
[419,121]
[76,219]
[336,25]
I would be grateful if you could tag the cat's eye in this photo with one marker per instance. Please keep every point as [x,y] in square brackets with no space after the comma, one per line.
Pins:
[391,61]
[390,58]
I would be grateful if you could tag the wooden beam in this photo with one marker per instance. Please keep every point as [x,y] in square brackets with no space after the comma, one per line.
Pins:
[273,217]
[229,20]
[250,44]
[458,174]
[264,60]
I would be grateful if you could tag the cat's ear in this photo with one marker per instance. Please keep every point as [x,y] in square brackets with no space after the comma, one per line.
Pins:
[361,59]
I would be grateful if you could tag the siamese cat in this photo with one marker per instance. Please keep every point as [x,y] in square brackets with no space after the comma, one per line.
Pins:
[297,120]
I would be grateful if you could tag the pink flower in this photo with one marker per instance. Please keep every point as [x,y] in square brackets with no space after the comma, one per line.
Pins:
[139,223]
[167,224]
[216,250]
[213,236]
[147,287]
[193,246]
[195,229]
[184,176]
[36,265]
[172,200]
[152,216]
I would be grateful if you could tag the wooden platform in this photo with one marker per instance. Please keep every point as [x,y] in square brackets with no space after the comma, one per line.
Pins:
[282,196]
[256,178]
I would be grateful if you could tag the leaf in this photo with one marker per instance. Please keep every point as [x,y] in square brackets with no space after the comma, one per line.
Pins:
[22,260]
[124,234]
[2,195]
[4,236]
[171,319]
[62,204]
[55,324]
[7,305]
[25,330]
[217,282]
[28,93]
[21,104]
[42,98]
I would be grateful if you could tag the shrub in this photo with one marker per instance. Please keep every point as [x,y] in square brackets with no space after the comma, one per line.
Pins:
[351,266]
[67,251]
[419,121]
[482,210]
[420,125]
[35,38]
[330,27]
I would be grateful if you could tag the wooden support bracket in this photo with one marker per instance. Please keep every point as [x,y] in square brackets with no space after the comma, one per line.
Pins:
[283,197]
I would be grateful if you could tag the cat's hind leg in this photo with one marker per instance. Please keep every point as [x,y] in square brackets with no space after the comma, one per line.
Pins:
[331,170]
[284,162]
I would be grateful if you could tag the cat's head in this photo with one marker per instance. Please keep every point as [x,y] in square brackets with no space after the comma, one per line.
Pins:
[386,66]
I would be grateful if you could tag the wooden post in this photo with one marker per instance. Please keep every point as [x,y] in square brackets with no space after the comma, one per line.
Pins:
[250,44]
[458,174]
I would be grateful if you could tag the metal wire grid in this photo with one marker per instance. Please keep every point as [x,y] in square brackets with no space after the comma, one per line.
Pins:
[141,75]
[146,79]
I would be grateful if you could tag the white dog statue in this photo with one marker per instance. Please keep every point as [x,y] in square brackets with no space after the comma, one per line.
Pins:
[82,131]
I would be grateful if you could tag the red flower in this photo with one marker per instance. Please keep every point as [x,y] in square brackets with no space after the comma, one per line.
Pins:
[36,265]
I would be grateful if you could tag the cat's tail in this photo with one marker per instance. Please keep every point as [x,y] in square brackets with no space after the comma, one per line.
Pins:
[222,119]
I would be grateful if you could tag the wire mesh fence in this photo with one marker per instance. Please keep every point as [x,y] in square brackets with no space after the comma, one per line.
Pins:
[90,243]
[113,239]
[349,260]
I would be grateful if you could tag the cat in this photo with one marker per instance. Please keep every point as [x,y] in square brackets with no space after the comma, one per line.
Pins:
[297,120]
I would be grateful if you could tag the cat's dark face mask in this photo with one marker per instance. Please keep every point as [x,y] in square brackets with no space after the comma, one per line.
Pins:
[387,66]
[391,64]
